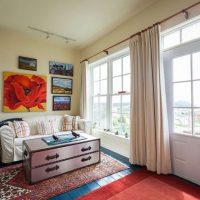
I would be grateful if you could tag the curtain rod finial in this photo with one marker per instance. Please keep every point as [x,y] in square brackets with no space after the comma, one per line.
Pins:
[186,14]
[106,51]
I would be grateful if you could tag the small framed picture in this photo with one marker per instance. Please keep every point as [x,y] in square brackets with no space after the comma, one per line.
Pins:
[27,63]
[61,103]
[60,68]
[61,85]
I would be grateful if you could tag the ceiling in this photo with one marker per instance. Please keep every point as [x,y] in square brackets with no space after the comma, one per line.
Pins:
[83,20]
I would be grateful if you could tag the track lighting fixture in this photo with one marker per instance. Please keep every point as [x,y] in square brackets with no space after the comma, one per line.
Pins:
[48,34]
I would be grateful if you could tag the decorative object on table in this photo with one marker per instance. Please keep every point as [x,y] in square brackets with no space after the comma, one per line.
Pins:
[13,180]
[61,103]
[24,92]
[61,85]
[27,63]
[61,139]
[59,68]
[55,137]
[76,135]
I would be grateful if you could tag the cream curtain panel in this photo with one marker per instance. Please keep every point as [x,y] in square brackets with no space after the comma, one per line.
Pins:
[149,136]
[84,90]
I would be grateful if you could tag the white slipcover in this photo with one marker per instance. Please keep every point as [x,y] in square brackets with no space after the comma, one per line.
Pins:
[11,147]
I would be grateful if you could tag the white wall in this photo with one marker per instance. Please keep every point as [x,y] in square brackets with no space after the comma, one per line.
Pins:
[185,156]
[14,44]
[114,143]
[156,12]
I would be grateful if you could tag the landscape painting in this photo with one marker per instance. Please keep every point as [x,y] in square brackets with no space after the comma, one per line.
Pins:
[61,102]
[60,68]
[27,63]
[24,92]
[61,85]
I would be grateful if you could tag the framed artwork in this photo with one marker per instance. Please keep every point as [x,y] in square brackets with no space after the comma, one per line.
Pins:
[61,85]
[24,92]
[60,68]
[61,103]
[27,63]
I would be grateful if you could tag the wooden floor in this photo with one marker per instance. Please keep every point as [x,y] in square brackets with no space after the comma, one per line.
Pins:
[84,189]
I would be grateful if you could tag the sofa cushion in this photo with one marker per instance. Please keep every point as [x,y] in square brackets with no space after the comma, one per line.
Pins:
[32,121]
[70,123]
[58,119]
[5,122]
[21,128]
[46,127]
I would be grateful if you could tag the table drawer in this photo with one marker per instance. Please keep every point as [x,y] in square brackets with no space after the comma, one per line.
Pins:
[66,152]
[51,170]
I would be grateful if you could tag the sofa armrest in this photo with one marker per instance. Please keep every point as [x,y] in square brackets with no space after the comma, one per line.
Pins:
[85,125]
[7,136]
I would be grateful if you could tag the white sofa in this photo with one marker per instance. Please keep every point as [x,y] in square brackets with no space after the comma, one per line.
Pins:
[11,146]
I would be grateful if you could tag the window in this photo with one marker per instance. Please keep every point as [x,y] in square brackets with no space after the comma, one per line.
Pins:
[120,113]
[100,95]
[110,99]
[183,34]
[182,74]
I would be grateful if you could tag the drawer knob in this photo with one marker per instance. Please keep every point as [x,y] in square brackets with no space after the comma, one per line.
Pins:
[50,169]
[86,149]
[86,159]
[52,157]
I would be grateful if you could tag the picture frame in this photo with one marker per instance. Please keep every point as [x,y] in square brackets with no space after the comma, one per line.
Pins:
[58,68]
[61,103]
[61,85]
[31,88]
[27,63]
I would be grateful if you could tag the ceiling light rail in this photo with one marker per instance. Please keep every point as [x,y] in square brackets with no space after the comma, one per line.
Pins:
[49,34]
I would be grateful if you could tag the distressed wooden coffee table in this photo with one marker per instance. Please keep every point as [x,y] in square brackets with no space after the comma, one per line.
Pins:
[42,161]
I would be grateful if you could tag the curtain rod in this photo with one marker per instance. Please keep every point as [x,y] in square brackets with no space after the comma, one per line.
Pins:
[128,38]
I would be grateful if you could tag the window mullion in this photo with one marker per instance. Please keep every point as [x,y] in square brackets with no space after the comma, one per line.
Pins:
[192,100]
[109,110]
[92,95]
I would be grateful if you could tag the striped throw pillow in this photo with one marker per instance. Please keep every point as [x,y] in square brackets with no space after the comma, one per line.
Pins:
[46,127]
[21,128]
[70,123]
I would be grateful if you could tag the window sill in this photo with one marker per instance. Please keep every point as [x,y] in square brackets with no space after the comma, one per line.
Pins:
[186,135]
[110,133]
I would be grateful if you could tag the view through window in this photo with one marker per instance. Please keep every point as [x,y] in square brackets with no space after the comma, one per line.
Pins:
[110,99]
[182,72]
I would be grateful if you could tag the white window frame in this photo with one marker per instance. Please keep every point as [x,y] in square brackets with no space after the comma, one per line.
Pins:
[109,59]
[186,48]
[179,28]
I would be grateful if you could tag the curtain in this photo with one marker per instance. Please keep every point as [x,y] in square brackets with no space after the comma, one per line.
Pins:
[84,90]
[149,136]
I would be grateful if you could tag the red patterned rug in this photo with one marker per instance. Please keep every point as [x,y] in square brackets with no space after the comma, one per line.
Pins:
[13,184]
